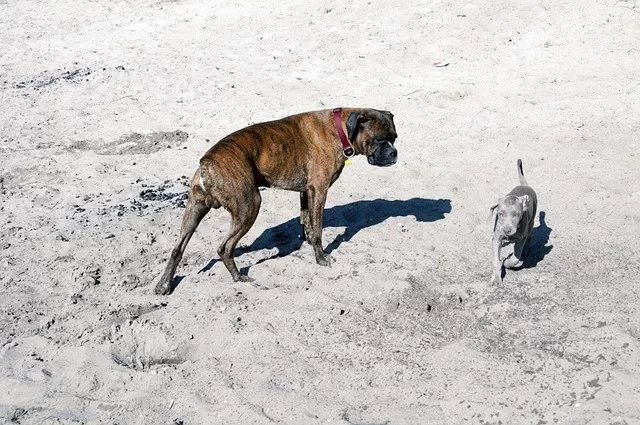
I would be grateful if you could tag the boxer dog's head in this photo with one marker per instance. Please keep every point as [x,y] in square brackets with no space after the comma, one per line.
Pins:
[373,134]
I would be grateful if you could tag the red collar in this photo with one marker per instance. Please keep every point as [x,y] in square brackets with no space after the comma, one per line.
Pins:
[347,149]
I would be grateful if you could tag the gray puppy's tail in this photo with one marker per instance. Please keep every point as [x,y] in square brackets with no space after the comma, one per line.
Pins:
[523,181]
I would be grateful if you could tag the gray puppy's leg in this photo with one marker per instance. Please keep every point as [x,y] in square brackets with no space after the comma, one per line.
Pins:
[516,259]
[496,243]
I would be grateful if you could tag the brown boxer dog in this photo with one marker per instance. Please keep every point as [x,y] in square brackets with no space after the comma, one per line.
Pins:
[303,153]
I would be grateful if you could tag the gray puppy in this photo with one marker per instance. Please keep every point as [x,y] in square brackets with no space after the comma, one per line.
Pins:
[513,218]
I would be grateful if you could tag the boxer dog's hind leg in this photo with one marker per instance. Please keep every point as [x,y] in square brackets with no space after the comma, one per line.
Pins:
[193,214]
[244,210]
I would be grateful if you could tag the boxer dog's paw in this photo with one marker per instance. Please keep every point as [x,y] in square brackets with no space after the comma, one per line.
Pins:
[242,278]
[324,260]
[162,289]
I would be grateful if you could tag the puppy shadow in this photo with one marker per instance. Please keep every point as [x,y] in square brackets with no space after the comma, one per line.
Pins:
[538,247]
[354,217]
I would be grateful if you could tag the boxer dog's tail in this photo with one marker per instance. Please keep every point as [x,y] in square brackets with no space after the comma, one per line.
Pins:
[205,184]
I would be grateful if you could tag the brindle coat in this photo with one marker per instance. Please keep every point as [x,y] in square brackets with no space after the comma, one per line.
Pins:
[301,153]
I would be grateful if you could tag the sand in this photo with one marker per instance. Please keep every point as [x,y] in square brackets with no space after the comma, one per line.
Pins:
[106,108]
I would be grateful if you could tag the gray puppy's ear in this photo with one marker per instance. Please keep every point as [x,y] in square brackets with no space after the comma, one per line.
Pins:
[493,210]
[495,207]
[525,202]
[354,121]
[493,215]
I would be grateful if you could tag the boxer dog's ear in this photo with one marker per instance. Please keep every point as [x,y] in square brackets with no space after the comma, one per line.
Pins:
[393,125]
[354,121]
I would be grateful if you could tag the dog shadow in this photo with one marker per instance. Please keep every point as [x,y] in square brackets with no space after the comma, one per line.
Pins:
[538,247]
[354,217]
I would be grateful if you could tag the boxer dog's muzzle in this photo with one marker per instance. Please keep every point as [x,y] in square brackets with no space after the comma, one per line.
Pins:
[384,155]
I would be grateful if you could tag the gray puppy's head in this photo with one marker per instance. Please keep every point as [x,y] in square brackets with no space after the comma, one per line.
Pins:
[508,213]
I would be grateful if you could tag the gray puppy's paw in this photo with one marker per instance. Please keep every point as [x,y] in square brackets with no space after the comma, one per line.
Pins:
[512,262]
